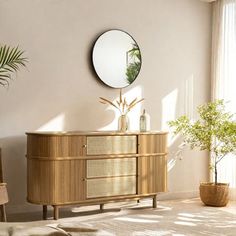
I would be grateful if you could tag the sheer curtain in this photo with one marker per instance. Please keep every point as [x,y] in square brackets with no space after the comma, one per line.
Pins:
[224,73]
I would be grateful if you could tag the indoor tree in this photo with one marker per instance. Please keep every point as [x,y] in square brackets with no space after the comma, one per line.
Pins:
[214,131]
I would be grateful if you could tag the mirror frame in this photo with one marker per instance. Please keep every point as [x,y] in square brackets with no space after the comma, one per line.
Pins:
[92,57]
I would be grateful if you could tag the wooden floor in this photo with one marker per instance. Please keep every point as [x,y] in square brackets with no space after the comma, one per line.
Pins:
[176,217]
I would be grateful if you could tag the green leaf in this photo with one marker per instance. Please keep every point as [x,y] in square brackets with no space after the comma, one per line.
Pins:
[11,59]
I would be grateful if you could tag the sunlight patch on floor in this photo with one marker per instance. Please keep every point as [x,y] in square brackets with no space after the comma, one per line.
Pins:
[225,226]
[190,215]
[155,233]
[184,223]
[137,220]
[188,219]
[150,216]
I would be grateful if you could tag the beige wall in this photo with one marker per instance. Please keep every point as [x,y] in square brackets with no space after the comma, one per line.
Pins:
[60,91]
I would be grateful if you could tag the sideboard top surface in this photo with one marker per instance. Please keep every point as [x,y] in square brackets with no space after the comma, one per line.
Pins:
[66,133]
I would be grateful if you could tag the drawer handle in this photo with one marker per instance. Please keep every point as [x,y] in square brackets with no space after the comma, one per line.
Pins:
[84,146]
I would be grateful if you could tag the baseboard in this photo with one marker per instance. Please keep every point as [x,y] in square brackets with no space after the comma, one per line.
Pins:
[232,194]
[177,195]
[28,208]
[25,208]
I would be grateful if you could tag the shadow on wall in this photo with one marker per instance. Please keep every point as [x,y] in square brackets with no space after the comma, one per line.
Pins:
[14,167]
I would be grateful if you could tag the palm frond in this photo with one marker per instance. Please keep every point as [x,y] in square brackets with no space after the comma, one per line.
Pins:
[11,59]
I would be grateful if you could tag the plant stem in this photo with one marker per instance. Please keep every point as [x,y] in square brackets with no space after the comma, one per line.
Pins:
[217,160]
[215,175]
[215,170]
[220,159]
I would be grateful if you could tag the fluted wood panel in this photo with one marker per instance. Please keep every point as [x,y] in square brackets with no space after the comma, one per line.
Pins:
[152,176]
[55,182]
[101,145]
[55,146]
[105,187]
[152,143]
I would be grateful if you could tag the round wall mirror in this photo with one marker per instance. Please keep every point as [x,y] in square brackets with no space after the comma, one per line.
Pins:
[116,58]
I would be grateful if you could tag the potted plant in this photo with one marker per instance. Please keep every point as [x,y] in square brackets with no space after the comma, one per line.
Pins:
[11,59]
[214,131]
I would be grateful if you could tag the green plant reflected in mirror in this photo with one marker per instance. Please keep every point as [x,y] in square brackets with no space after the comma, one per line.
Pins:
[116,58]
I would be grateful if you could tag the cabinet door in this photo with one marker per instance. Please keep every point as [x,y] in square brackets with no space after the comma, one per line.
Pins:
[56,182]
[151,174]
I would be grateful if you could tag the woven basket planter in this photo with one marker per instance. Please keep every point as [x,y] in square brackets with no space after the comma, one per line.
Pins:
[214,195]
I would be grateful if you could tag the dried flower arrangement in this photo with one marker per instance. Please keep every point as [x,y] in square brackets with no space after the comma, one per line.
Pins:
[121,104]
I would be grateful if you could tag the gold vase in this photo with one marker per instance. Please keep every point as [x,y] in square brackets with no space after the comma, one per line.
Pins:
[123,123]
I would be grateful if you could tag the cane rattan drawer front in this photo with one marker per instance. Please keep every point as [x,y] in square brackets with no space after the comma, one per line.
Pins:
[105,145]
[111,167]
[111,186]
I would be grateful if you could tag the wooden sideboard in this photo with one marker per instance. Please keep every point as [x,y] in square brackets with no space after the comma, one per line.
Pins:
[65,168]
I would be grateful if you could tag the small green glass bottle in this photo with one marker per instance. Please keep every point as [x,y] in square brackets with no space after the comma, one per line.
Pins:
[143,122]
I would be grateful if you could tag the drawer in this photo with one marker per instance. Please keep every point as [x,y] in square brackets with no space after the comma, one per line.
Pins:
[111,167]
[152,143]
[53,146]
[100,145]
[111,186]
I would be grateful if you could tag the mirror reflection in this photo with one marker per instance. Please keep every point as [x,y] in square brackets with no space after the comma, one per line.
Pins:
[116,58]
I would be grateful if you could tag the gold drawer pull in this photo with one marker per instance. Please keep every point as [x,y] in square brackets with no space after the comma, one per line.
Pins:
[84,146]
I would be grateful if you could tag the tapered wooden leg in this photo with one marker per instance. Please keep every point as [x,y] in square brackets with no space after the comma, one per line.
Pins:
[3,213]
[45,211]
[56,212]
[154,203]
[102,207]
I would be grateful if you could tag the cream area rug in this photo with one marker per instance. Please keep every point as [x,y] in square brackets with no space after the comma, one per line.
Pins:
[176,217]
